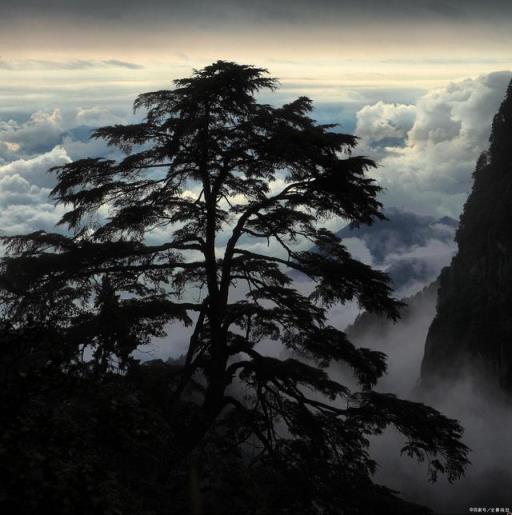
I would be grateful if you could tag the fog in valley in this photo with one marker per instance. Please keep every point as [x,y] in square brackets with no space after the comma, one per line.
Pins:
[485,416]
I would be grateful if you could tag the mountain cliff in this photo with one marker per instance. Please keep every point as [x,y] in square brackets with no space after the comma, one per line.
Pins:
[471,334]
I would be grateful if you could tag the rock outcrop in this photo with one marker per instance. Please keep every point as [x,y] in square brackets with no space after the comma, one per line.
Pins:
[471,334]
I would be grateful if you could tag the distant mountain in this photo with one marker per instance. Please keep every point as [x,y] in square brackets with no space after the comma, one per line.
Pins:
[411,248]
[401,231]
[471,334]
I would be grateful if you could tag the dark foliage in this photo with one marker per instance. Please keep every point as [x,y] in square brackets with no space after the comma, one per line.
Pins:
[231,428]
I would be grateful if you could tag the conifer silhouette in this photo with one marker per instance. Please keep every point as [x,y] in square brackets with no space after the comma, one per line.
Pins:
[210,173]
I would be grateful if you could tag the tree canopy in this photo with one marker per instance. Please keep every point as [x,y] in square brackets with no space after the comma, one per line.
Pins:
[216,200]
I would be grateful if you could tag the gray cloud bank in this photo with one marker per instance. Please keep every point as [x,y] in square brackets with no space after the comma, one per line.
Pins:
[77,64]
[289,11]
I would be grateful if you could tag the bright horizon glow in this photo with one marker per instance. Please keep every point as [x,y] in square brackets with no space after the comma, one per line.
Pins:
[53,82]
[328,51]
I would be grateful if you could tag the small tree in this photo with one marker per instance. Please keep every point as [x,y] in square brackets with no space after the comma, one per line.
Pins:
[210,173]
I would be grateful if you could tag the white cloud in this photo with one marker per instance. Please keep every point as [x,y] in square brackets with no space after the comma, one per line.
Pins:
[383,121]
[77,149]
[29,147]
[23,218]
[42,131]
[96,116]
[432,171]
[15,190]
[24,187]
[35,170]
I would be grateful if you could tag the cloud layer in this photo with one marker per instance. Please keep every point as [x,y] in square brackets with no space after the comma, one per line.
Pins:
[427,152]
[76,64]
[29,147]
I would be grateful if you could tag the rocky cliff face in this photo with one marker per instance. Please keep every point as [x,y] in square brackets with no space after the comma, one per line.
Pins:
[471,334]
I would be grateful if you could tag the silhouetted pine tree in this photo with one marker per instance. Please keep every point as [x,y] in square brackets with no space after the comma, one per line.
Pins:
[227,185]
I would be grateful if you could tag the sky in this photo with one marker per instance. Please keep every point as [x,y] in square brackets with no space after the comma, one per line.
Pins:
[419,82]
[290,30]
[332,48]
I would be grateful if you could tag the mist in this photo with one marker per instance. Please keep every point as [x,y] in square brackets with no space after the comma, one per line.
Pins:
[486,417]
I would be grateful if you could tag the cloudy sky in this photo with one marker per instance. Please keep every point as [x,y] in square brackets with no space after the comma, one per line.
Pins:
[418,81]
